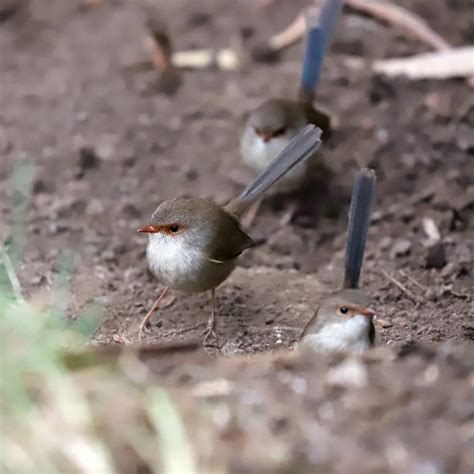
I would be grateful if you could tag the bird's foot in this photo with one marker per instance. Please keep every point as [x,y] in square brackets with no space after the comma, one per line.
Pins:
[143,329]
[209,332]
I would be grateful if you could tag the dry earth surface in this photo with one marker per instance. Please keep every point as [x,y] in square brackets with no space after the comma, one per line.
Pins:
[108,146]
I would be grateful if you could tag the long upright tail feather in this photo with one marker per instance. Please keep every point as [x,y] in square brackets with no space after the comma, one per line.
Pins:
[359,220]
[319,29]
[301,147]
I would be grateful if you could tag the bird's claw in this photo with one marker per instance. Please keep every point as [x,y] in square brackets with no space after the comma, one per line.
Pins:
[143,329]
[209,332]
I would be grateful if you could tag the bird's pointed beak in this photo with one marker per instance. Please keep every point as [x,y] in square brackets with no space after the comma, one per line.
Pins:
[149,229]
[369,312]
[266,137]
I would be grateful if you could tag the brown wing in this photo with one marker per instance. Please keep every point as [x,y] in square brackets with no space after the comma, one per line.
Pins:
[315,115]
[312,326]
[319,118]
[231,240]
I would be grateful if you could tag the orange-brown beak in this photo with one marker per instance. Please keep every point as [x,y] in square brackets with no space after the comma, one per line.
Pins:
[370,313]
[265,136]
[149,229]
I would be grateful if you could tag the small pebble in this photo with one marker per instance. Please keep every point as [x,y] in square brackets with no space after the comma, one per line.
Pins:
[401,248]
[385,243]
[383,323]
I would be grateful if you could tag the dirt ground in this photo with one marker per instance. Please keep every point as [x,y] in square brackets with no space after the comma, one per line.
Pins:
[69,91]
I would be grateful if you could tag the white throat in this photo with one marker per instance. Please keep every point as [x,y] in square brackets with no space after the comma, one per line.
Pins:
[348,336]
[183,267]
[258,154]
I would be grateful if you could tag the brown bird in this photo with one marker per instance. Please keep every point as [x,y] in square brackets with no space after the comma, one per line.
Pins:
[343,321]
[194,243]
[275,122]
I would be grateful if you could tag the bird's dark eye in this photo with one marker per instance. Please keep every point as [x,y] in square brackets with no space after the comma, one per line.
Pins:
[279,132]
[343,309]
[174,228]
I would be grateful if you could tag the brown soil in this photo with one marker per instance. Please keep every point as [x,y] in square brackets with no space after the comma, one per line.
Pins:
[68,92]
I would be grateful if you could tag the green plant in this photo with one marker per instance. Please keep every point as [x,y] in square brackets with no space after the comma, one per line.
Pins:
[64,408]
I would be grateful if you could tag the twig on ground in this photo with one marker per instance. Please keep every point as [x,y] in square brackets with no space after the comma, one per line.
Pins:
[179,332]
[291,34]
[403,19]
[462,296]
[393,14]
[413,280]
[457,62]
[225,59]
[400,286]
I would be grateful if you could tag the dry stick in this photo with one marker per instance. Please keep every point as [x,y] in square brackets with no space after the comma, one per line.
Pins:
[408,21]
[179,332]
[463,296]
[389,12]
[225,59]
[455,62]
[414,281]
[400,286]
[161,348]
[402,18]
[291,34]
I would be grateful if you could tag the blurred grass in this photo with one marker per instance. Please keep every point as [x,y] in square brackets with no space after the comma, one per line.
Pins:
[12,247]
[95,415]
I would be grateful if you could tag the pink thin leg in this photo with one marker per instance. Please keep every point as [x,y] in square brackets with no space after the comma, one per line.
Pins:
[211,323]
[148,316]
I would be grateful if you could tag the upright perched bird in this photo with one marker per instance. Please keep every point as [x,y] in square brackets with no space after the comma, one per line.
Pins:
[274,123]
[343,321]
[194,244]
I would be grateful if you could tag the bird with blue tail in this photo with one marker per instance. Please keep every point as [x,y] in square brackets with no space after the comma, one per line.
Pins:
[270,127]
[344,320]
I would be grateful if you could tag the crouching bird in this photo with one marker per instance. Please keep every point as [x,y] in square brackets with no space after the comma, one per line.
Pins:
[344,320]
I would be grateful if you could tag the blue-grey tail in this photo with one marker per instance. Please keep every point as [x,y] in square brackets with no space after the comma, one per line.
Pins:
[300,148]
[318,32]
[359,221]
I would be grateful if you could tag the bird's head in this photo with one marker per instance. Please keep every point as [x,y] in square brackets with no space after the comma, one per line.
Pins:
[345,305]
[182,220]
[268,121]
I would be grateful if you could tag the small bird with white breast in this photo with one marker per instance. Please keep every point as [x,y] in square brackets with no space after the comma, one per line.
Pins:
[271,126]
[194,243]
[344,321]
